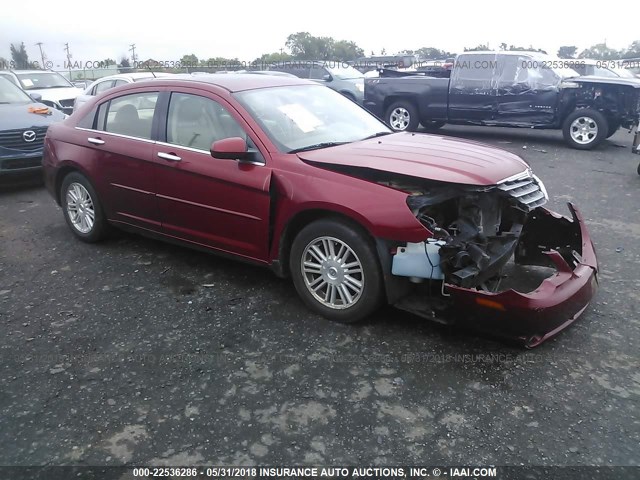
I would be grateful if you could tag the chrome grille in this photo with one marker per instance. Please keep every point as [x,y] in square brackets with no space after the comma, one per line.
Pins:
[14,139]
[525,190]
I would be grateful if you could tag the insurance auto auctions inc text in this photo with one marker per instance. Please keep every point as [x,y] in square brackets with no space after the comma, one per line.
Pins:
[375,472]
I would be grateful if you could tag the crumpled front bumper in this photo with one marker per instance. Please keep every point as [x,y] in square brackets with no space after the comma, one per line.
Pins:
[533,317]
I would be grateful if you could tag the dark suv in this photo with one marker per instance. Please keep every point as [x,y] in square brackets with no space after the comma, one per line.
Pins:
[336,75]
[23,125]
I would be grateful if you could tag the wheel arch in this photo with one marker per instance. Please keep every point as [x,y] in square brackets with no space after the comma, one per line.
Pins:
[303,218]
[390,100]
[62,172]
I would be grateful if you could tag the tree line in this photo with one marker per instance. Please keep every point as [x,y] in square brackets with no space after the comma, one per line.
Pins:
[304,46]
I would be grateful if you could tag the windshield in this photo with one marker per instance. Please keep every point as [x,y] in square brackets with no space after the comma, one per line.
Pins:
[36,79]
[342,71]
[623,72]
[10,93]
[304,116]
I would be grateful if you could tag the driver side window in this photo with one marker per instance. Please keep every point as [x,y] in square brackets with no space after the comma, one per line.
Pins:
[196,122]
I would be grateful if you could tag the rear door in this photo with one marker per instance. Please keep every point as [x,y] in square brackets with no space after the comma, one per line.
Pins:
[121,146]
[217,203]
[472,88]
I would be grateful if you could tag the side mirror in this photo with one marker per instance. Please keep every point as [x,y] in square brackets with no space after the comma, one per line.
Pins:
[327,77]
[233,148]
[36,97]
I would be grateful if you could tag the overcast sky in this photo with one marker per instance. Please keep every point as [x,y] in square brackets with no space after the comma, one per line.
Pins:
[98,30]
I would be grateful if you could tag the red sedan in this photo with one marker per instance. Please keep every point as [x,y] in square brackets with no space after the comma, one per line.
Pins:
[291,175]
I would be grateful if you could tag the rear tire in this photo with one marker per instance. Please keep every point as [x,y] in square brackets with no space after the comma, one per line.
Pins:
[432,125]
[585,129]
[82,208]
[335,269]
[402,116]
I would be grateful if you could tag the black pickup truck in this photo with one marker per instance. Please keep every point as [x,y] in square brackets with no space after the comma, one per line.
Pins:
[509,89]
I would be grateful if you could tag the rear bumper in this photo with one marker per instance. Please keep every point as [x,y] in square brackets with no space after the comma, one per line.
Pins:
[534,317]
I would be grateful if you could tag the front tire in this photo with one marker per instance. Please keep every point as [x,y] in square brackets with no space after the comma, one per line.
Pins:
[335,270]
[402,116]
[585,129]
[82,209]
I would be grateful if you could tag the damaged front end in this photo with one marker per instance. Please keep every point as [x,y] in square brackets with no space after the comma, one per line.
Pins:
[495,259]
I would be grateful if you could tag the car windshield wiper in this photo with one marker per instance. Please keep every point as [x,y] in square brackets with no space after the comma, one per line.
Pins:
[316,146]
[379,134]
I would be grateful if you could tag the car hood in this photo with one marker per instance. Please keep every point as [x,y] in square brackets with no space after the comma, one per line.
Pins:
[57,94]
[433,157]
[15,116]
[629,82]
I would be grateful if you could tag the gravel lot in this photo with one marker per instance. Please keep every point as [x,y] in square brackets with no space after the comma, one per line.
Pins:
[137,351]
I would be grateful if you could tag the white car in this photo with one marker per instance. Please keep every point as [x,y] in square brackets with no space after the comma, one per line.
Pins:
[106,83]
[54,90]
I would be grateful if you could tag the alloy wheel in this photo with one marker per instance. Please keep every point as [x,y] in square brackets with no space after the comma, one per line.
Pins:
[332,272]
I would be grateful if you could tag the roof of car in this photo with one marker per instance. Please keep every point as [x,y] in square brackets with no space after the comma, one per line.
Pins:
[238,83]
[532,53]
[32,71]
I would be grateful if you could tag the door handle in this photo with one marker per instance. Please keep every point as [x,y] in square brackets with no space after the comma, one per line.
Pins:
[169,156]
[95,141]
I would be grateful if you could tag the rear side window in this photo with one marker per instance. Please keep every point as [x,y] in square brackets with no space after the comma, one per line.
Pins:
[130,115]
[474,73]
[318,73]
[102,87]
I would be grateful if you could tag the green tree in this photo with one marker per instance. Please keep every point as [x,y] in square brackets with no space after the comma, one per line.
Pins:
[431,53]
[124,65]
[567,51]
[304,46]
[344,51]
[108,61]
[189,60]
[477,48]
[267,59]
[633,51]
[600,51]
[19,56]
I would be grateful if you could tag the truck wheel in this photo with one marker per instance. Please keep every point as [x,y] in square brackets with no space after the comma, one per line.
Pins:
[613,128]
[402,116]
[585,129]
[335,270]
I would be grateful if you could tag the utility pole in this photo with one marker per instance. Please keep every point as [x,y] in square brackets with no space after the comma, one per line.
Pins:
[66,49]
[133,53]
[42,56]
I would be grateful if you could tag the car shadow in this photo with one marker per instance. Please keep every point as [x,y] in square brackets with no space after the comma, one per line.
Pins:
[26,184]
[500,136]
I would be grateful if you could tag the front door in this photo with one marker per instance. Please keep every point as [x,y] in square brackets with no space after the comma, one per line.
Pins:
[527,92]
[217,203]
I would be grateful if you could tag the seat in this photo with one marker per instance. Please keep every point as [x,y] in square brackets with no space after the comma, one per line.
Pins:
[191,127]
[126,121]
